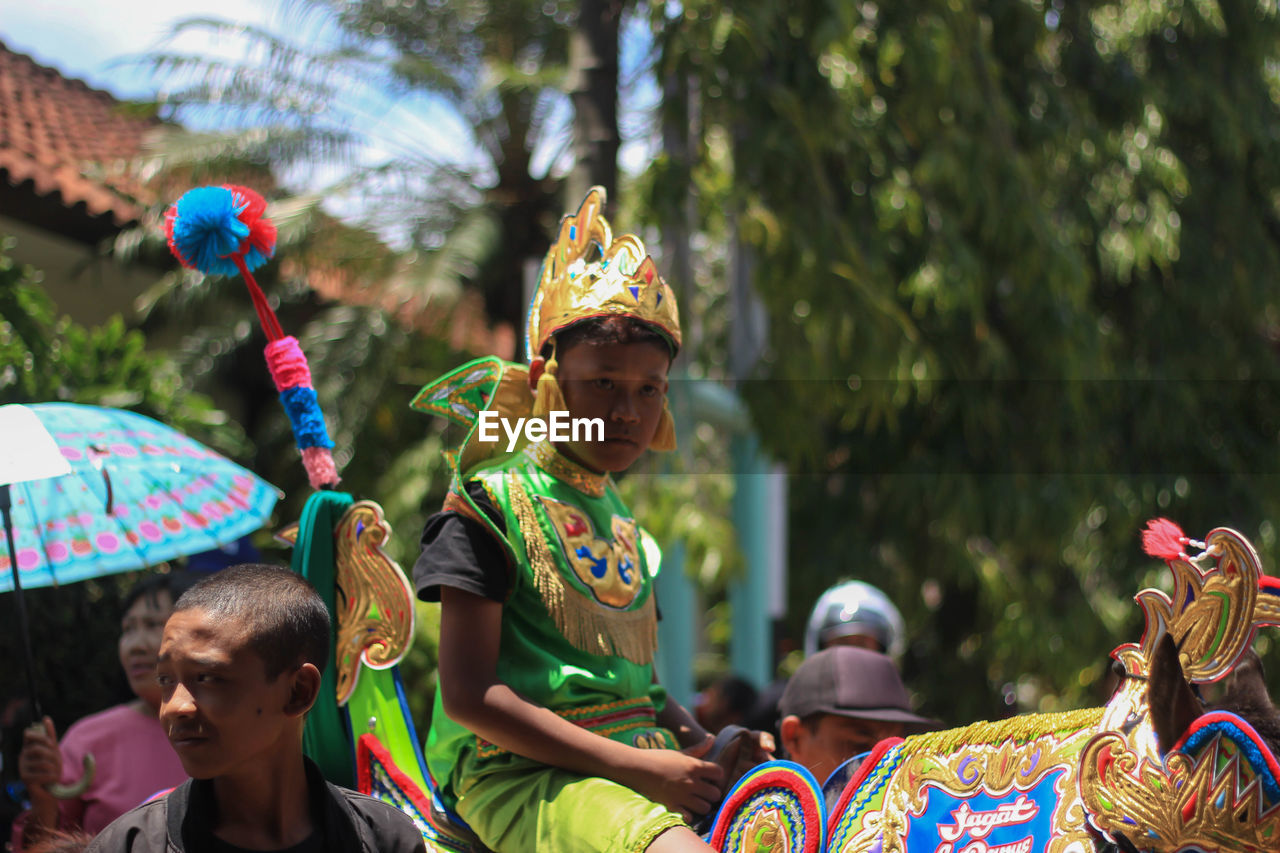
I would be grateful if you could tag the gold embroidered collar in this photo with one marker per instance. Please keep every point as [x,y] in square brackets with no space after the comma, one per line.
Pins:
[546,457]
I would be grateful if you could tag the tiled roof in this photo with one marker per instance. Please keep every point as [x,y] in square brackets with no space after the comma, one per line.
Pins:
[66,138]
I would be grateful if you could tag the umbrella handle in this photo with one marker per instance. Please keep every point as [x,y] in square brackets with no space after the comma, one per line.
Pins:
[106,478]
[75,789]
[96,461]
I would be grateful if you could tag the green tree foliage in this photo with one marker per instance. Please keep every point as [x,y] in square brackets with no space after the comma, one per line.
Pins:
[1019,261]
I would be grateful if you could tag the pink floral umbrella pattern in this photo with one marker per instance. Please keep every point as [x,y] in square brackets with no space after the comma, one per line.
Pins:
[139,493]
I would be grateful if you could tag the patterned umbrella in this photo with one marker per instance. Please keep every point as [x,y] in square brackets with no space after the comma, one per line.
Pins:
[139,493]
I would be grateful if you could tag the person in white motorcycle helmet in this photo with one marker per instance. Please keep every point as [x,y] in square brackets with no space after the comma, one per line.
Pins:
[854,613]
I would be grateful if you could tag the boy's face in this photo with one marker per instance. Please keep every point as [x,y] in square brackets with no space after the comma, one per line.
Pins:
[624,385]
[221,712]
[833,741]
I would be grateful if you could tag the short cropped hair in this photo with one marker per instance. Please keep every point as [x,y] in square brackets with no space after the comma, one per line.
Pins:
[287,619]
[600,331]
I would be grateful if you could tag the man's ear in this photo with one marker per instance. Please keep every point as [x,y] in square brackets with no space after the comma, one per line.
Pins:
[536,368]
[304,690]
[1171,702]
[791,731]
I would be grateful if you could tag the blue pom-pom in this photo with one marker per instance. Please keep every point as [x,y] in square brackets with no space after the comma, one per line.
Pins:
[204,230]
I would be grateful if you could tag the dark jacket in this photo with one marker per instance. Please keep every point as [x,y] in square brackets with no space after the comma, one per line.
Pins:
[183,821]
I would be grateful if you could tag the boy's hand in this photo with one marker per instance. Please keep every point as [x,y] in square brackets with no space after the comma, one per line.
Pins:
[40,762]
[681,780]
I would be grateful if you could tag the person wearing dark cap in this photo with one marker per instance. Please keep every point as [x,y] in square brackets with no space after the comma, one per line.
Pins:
[840,703]
[851,613]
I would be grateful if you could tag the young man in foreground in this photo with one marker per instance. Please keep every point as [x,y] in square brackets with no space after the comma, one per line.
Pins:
[239,667]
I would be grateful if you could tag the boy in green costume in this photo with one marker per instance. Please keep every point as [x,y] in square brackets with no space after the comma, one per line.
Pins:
[550,730]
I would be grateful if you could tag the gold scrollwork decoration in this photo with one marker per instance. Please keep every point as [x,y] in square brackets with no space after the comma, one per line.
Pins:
[1211,612]
[375,601]
[1127,711]
[1183,805]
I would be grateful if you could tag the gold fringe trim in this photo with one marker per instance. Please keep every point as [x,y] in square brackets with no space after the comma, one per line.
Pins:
[1019,729]
[585,623]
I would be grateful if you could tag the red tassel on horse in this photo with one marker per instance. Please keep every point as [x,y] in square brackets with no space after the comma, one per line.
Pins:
[1164,539]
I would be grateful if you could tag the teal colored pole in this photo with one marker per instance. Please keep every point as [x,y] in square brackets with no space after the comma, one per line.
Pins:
[677,638]
[750,655]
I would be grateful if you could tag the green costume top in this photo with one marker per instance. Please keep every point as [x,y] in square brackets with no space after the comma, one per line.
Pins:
[579,625]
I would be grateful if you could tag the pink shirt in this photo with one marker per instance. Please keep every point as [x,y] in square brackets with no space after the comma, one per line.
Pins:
[134,760]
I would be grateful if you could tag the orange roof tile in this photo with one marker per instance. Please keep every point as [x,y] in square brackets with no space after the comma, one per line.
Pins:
[66,138]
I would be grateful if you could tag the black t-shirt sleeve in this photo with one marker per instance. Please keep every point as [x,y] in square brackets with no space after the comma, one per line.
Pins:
[463,553]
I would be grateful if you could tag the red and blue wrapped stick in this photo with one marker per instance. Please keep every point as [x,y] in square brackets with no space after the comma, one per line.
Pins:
[221,230]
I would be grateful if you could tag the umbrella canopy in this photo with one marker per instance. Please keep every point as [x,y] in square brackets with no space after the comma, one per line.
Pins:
[139,493]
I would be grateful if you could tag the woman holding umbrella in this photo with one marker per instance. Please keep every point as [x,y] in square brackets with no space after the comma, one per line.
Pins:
[133,755]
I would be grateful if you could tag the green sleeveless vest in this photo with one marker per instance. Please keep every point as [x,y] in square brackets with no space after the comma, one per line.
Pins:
[579,626]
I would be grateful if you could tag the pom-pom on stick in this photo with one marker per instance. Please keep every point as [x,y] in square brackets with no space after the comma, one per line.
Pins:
[1164,539]
[222,230]
[209,227]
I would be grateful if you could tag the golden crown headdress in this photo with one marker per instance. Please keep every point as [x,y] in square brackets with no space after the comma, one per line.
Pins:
[590,273]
